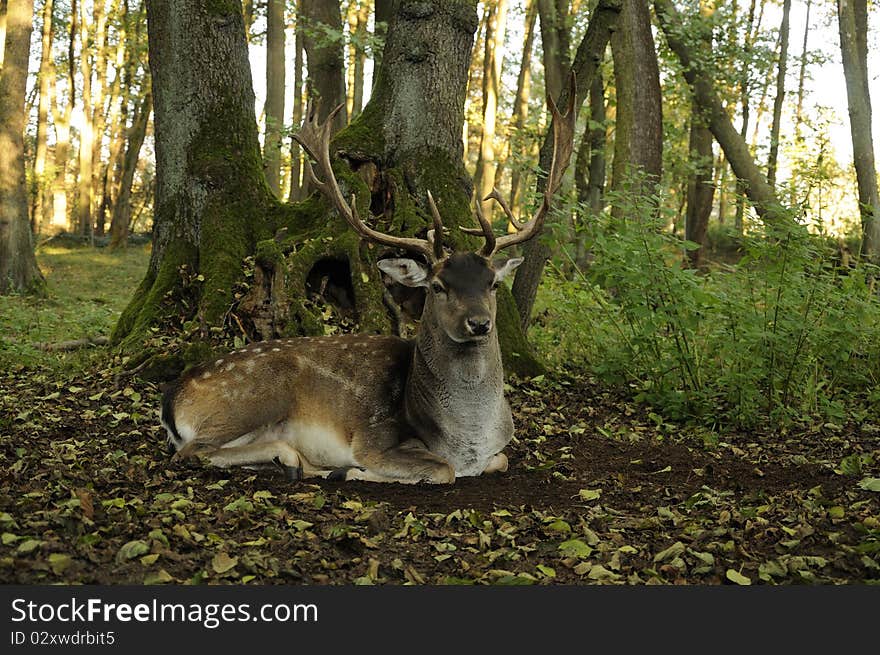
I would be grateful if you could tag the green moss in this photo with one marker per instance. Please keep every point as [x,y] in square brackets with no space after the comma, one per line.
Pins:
[268,253]
[195,353]
[154,308]
[364,137]
[516,353]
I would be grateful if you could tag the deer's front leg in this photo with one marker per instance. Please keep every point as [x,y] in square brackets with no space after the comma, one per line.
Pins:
[407,462]
[498,464]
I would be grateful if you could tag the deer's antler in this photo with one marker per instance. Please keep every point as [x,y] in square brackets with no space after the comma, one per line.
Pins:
[314,137]
[563,143]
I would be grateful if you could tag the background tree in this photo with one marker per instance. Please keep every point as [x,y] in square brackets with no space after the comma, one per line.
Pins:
[275,88]
[782,69]
[853,23]
[18,266]
[325,54]
[603,21]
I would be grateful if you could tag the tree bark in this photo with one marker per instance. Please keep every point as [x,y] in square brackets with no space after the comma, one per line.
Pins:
[736,150]
[521,107]
[745,105]
[2,30]
[326,79]
[274,109]
[213,208]
[86,137]
[296,183]
[361,17]
[589,169]
[555,43]
[701,189]
[211,200]
[780,94]
[121,220]
[484,177]
[18,265]
[602,23]
[853,27]
[61,114]
[638,132]
[40,206]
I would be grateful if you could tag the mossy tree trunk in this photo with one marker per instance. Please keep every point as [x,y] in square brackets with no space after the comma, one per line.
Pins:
[215,216]
[211,195]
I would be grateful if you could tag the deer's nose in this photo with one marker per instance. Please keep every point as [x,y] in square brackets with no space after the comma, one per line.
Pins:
[478,326]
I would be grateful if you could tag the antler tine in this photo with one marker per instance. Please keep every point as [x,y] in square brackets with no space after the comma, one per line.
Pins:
[435,236]
[485,231]
[314,137]
[497,197]
[563,140]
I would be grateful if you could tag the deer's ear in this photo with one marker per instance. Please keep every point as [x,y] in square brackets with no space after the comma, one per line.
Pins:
[407,272]
[507,268]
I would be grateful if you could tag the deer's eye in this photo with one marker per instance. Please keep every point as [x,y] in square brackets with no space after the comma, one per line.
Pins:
[495,286]
[436,287]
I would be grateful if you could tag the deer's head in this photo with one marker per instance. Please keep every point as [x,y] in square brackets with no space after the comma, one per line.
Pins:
[460,286]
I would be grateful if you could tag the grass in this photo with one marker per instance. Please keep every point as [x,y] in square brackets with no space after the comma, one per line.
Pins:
[87,290]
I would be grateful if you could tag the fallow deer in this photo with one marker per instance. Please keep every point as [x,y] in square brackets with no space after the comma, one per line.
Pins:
[374,408]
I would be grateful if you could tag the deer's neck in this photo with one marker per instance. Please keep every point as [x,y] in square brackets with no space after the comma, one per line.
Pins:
[471,370]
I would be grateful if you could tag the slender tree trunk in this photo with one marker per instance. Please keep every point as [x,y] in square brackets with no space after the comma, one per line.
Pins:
[521,108]
[853,25]
[555,43]
[735,148]
[484,178]
[589,170]
[274,111]
[780,94]
[603,22]
[102,57]
[86,137]
[359,58]
[721,185]
[745,105]
[799,111]
[296,184]
[62,115]
[18,265]
[40,206]
[326,79]
[638,135]
[701,190]
[121,221]
[2,29]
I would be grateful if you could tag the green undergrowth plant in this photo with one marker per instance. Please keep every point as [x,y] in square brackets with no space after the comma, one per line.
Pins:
[784,335]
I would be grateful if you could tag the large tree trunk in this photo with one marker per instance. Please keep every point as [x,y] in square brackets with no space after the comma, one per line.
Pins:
[853,23]
[326,63]
[590,51]
[638,132]
[18,266]
[780,95]
[736,150]
[275,65]
[211,197]
[213,208]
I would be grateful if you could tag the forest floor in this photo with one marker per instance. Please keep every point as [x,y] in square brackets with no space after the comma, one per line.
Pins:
[600,490]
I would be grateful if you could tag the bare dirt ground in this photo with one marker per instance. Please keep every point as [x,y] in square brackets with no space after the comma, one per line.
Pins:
[599,491]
